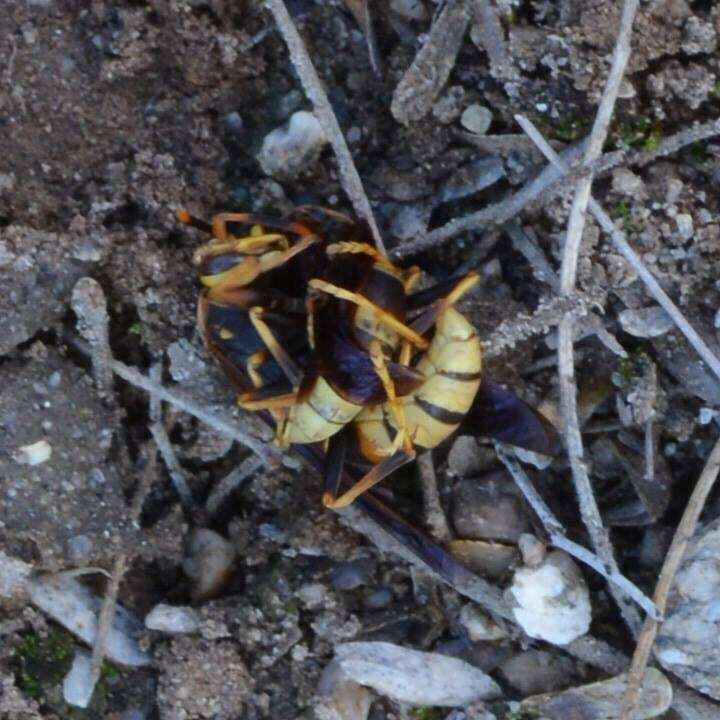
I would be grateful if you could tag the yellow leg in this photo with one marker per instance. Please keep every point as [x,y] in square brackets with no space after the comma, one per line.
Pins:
[252,365]
[278,352]
[220,221]
[411,277]
[396,408]
[372,478]
[246,402]
[381,315]
[358,248]
[425,321]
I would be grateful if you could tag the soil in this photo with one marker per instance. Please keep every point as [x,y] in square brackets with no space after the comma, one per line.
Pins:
[113,115]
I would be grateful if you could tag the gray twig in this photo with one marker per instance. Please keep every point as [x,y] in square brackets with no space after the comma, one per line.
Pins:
[558,537]
[157,430]
[623,247]
[550,182]
[493,38]
[528,247]
[434,514]
[230,483]
[352,184]
[684,532]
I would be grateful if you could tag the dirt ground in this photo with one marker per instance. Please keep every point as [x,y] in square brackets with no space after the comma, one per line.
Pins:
[115,114]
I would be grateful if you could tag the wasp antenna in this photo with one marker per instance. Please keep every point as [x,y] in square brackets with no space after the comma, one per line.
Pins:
[186,218]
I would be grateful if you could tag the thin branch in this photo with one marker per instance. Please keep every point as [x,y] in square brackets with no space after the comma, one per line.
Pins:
[684,532]
[157,430]
[352,184]
[434,513]
[267,452]
[558,538]
[623,247]
[105,619]
[230,483]
[493,37]
[550,182]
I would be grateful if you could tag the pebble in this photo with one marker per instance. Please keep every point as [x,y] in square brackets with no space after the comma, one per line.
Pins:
[476,119]
[72,605]
[489,559]
[172,619]
[352,574]
[14,577]
[468,457]
[684,224]
[414,677]
[209,563]
[625,182]
[78,684]
[687,642]
[538,671]
[447,109]
[489,508]
[532,549]
[378,599]
[553,602]
[339,697]
[80,549]
[292,148]
[647,322]
[603,700]
[480,626]
[33,454]
[410,9]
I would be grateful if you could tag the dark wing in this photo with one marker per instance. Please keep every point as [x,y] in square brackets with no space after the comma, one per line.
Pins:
[502,415]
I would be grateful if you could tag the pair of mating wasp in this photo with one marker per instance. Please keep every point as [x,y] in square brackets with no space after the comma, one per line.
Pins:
[315,326]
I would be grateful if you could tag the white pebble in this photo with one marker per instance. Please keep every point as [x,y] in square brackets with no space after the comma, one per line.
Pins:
[78,684]
[209,563]
[33,454]
[290,149]
[553,602]
[476,118]
[647,322]
[172,619]
[685,225]
[414,677]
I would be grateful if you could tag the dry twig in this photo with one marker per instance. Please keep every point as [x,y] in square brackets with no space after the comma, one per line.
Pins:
[683,534]
[230,483]
[352,184]
[493,38]
[434,514]
[157,430]
[558,538]
[623,247]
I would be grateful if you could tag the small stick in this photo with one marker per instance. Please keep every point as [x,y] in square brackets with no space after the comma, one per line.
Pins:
[623,247]
[157,430]
[105,619]
[549,183]
[493,38]
[558,538]
[684,532]
[352,184]
[230,483]
[528,247]
[435,516]
[265,451]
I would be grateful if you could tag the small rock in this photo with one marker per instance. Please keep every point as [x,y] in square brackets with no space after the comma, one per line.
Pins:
[468,457]
[352,574]
[413,677]
[687,642]
[409,220]
[172,619]
[489,508]
[341,698]
[410,9]
[78,684]
[14,579]
[553,602]
[292,148]
[603,700]
[378,599]
[480,626]
[476,119]
[706,415]
[698,36]
[209,563]
[647,322]
[34,454]
[537,671]
[489,559]
[625,182]
[532,549]
[72,605]
[79,549]
[447,109]
[684,224]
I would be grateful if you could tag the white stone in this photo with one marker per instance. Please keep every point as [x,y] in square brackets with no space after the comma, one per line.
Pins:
[14,578]
[414,677]
[476,118]
[552,599]
[209,562]
[290,149]
[78,684]
[172,619]
[34,454]
[647,322]
[685,225]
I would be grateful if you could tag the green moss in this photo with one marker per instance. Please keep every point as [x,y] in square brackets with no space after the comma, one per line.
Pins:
[135,328]
[622,211]
[643,134]
[29,683]
[28,647]
[698,151]
[569,129]
[426,713]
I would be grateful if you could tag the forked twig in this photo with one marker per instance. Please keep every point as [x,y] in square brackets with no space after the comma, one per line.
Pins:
[623,247]
[434,513]
[558,538]
[352,184]
[684,532]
